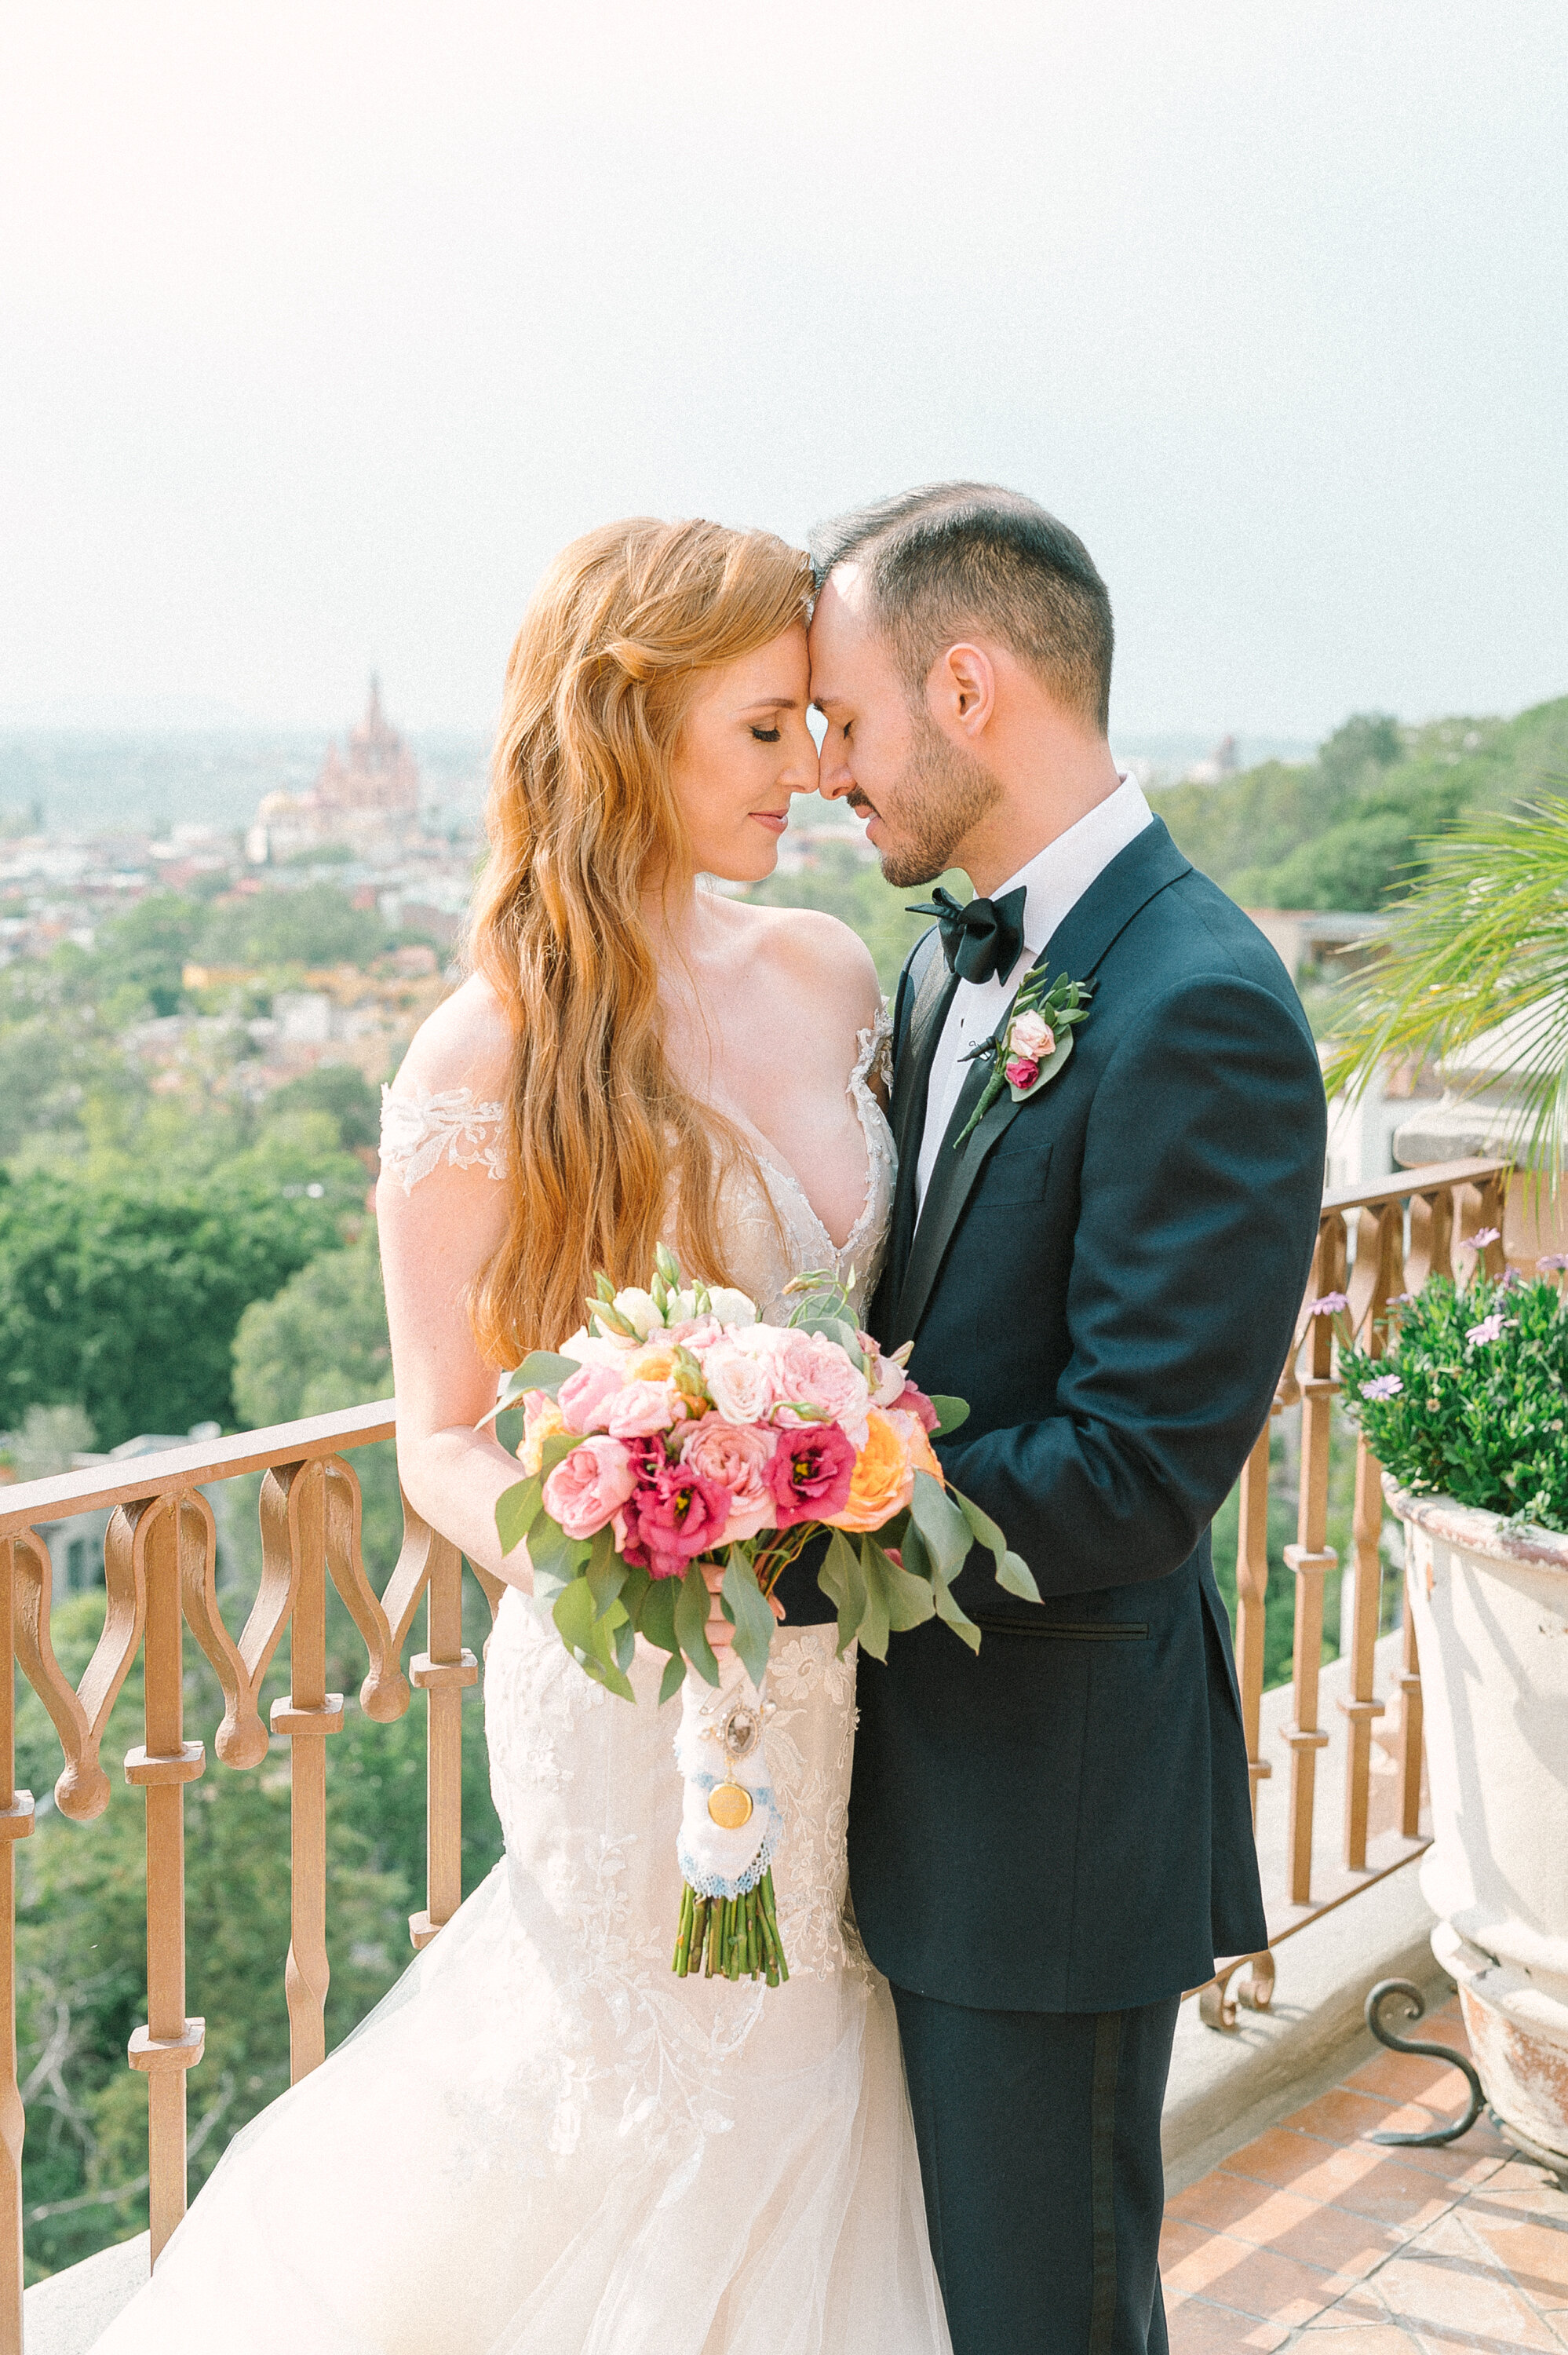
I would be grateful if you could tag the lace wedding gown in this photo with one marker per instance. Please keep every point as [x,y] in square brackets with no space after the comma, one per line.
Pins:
[542,2142]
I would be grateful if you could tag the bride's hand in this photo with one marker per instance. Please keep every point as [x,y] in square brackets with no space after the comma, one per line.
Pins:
[721,1635]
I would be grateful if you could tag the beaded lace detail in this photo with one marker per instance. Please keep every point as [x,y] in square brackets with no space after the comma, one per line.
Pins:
[772,1239]
[420,1131]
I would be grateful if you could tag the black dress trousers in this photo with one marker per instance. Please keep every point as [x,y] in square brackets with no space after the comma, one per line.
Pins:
[1039,2136]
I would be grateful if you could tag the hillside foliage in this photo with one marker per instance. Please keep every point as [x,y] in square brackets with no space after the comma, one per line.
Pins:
[1344,829]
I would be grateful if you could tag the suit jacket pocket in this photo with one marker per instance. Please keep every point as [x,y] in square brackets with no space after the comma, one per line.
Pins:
[1066,1631]
[1014,1181]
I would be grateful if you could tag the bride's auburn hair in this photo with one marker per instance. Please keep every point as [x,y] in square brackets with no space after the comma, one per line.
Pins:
[583,823]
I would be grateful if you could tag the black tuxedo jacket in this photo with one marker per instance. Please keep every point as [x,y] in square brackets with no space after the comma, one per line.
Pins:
[1109,1273]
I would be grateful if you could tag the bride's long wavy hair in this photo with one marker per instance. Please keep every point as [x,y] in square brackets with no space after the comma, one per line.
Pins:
[583,825]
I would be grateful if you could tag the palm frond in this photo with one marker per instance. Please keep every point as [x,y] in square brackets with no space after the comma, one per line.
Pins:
[1478,948]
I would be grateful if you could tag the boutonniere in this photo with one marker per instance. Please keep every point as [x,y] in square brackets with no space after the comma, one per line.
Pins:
[1032,1045]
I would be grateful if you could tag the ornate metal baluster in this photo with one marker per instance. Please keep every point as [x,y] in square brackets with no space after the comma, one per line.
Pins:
[169,2043]
[1311,1557]
[16,1823]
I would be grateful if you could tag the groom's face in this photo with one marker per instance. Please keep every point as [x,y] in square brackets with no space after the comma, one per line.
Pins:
[919,792]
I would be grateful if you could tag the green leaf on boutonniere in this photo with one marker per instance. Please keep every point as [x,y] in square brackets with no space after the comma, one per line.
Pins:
[1060,1006]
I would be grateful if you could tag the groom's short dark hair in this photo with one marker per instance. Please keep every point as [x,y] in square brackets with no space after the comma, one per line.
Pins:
[957,554]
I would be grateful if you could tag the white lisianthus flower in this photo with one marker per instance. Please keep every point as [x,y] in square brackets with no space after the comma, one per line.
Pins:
[731,1307]
[594,1349]
[639,1310]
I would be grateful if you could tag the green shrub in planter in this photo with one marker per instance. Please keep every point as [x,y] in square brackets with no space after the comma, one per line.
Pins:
[1471,1399]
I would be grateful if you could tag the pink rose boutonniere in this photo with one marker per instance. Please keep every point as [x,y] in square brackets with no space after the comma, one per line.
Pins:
[1032,1043]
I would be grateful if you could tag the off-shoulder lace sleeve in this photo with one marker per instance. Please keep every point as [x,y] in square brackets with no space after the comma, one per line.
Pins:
[419,1131]
[874,1061]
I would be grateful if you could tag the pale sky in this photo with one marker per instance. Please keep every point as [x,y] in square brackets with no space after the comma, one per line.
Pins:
[325,324]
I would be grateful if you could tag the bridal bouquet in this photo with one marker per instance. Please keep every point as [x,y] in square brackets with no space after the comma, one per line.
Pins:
[673,1431]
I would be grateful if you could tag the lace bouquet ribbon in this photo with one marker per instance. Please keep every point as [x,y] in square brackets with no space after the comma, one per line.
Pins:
[674,1446]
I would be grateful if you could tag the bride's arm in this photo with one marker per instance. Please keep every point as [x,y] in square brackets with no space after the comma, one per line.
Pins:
[436,1232]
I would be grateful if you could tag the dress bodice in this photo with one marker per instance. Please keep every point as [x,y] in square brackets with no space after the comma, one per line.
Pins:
[771,1232]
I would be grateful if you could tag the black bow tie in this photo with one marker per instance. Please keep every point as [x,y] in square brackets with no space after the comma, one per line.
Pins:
[985,938]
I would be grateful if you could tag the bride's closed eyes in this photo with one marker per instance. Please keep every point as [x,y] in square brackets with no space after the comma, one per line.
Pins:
[767,735]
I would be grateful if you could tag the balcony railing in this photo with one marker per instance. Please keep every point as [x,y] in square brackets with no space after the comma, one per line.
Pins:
[161,1578]
[1373,1243]
[160,1563]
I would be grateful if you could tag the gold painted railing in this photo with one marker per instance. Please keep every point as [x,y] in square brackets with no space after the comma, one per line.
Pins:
[161,1577]
[1373,1243]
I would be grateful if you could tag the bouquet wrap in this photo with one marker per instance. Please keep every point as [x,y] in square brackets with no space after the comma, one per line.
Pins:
[677,1447]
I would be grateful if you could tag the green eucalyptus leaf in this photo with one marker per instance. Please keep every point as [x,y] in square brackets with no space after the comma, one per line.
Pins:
[573,1614]
[1012,1570]
[606,1571]
[556,1450]
[747,1613]
[691,1624]
[673,1678]
[656,1619]
[950,1413]
[910,1601]
[1018,1578]
[876,1620]
[843,1582]
[941,1524]
[949,1611]
[554,1555]
[916,1559]
[516,1511]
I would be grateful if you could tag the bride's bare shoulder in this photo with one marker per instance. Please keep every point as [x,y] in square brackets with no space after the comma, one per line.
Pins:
[817,960]
[465,1043]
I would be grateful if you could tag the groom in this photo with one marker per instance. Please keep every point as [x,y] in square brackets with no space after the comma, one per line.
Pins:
[1050,1842]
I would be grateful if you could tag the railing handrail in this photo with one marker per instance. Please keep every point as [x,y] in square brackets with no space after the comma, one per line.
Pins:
[1427,1177]
[128,1479]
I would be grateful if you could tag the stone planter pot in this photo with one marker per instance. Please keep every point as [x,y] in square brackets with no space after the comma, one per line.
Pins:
[1491,1620]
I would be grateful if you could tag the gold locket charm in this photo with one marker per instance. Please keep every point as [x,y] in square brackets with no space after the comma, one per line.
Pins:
[729,1806]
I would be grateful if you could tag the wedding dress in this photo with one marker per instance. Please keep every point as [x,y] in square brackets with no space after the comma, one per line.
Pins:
[542,2142]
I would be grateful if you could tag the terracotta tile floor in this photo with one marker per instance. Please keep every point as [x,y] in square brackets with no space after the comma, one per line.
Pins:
[1312,2238]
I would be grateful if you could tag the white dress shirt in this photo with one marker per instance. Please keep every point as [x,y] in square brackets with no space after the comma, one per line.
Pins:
[1055,879]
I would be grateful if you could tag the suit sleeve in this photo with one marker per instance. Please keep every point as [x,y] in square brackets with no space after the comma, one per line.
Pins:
[1202,1184]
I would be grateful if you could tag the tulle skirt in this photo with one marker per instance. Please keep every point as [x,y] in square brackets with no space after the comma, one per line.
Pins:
[540,2142]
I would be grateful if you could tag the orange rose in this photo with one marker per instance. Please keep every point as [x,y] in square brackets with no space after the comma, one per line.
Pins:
[913,1431]
[882,1480]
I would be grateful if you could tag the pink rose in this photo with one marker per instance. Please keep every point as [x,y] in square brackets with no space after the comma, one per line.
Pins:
[1021,1073]
[642,1408]
[912,1400]
[697,1333]
[1033,1038]
[739,1382]
[588,1486]
[810,1473]
[677,1514]
[735,1456]
[584,1398]
[811,1370]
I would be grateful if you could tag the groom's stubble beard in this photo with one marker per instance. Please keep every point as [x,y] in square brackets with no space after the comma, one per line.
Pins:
[942,794]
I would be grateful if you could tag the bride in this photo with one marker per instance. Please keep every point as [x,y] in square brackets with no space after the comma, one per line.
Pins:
[542,2142]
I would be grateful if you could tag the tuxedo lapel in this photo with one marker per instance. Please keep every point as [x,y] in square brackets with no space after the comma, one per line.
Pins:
[1147,865]
[932,996]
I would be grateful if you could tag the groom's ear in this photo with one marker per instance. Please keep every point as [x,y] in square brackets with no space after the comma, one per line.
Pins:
[961,691]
